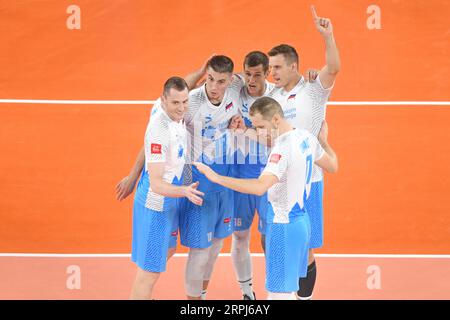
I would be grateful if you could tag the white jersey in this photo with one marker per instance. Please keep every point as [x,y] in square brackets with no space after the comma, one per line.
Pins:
[251,157]
[305,108]
[210,139]
[165,141]
[291,161]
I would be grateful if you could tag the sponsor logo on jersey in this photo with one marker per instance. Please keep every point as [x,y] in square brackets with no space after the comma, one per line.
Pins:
[275,158]
[174,233]
[227,220]
[155,148]
[229,106]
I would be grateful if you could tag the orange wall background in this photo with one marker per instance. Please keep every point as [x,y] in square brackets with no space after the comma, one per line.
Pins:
[59,164]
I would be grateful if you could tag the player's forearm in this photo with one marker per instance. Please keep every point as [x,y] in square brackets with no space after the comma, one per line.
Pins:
[334,160]
[249,186]
[138,165]
[193,78]
[166,189]
[333,61]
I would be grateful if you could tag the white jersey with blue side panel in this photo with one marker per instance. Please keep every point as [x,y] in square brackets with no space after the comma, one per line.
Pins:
[165,141]
[251,156]
[305,108]
[210,138]
[291,161]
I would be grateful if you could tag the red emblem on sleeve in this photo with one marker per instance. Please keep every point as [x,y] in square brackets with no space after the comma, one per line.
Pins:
[275,158]
[155,148]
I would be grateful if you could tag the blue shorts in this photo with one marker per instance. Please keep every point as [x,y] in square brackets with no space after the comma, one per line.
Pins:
[262,210]
[154,232]
[314,207]
[286,254]
[244,210]
[214,219]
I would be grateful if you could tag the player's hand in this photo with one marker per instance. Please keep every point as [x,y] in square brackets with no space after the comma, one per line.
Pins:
[207,171]
[323,25]
[237,123]
[205,64]
[125,187]
[193,194]
[323,134]
[311,75]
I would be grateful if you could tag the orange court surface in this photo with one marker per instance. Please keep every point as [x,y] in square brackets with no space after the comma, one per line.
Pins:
[75,103]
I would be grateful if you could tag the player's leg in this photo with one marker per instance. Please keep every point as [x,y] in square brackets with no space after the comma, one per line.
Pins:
[151,241]
[143,284]
[197,225]
[214,251]
[245,208]
[286,257]
[262,206]
[221,217]
[314,207]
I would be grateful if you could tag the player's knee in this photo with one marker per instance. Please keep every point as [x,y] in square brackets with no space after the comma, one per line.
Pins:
[240,244]
[195,270]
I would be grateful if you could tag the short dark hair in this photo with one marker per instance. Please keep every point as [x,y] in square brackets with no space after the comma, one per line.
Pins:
[221,64]
[288,52]
[176,83]
[255,58]
[267,107]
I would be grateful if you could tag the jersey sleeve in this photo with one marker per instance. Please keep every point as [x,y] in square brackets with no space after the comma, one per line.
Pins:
[277,163]
[319,97]
[156,143]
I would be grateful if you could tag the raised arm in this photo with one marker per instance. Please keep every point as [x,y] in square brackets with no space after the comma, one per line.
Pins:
[333,62]
[250,186]
[193,78]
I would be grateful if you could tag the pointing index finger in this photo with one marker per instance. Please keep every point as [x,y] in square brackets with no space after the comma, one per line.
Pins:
[314,13]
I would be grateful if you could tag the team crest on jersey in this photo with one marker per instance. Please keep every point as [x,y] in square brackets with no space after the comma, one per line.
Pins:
[304,145]
[275,158]
[292,96]
[180,151]
[155,148]
[229,106]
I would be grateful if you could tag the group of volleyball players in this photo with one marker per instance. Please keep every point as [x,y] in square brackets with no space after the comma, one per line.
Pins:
[236,145]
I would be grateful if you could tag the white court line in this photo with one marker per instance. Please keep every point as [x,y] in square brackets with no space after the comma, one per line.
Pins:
[146,102]
[126,255]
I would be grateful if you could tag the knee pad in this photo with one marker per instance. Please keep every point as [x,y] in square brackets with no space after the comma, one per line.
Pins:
[214,251]
[240,245]
[195,270]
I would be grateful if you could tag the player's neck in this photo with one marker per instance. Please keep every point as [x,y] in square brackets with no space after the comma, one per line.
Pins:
[283,128]
[293,82]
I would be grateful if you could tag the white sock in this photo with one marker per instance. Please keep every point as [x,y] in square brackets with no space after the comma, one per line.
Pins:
[281,296]
[247,288]
[242,261]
